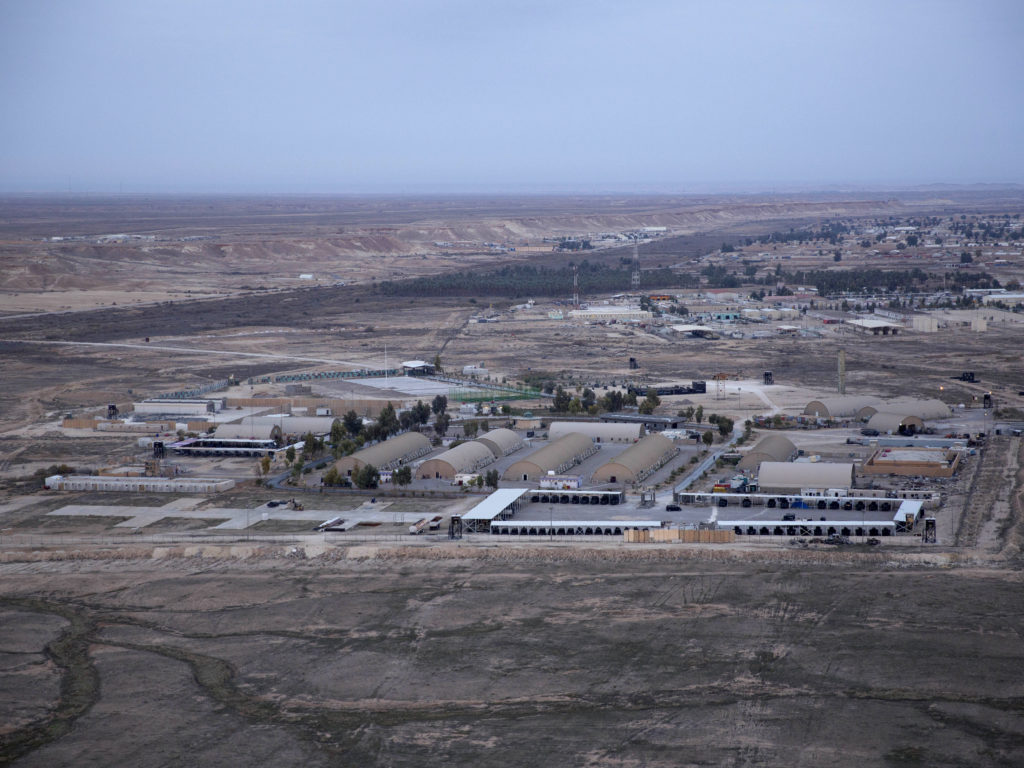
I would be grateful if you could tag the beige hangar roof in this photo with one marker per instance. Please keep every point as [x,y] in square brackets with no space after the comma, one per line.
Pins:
[844,407]
[465,457]
[770,448]
[923,408]
[637,461]
[502,442]
[297,425]
[886,421]
[598,431]
[557,456]
[784,476]
[391,453]
[248,431]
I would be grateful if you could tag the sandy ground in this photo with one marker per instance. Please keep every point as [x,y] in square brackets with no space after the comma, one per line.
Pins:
[56,301]
[404,659]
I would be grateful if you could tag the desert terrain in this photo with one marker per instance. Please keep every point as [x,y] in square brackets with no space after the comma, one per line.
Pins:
[176,644]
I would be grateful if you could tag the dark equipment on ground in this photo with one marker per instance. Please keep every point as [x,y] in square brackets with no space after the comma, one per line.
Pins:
[929,536]
[695,388]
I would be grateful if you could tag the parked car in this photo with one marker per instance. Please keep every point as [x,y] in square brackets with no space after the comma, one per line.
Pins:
[870,432]
[673,508]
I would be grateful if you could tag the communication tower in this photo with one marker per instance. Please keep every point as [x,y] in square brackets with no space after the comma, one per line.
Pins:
[635,284]
[575,287]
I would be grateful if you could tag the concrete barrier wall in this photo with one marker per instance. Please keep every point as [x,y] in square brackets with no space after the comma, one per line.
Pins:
[684,535]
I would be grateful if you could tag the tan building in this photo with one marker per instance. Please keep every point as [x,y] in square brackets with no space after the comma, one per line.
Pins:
[501,442]
[913,462]
[557,457]
[843,407]
[249,431]
[296,425]
[464,458]
[792,477]
[638,461]
[925,409]
[770,448]
[390,454]
[598,431]
[370,408]
[855,407]
[895,423]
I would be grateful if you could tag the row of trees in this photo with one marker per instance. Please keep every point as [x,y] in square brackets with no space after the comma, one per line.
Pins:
[588,402]
[515,281]
[368,477]
[388,423]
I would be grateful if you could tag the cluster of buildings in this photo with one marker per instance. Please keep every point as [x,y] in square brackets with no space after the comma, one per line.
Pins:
[774,465]
[569,445]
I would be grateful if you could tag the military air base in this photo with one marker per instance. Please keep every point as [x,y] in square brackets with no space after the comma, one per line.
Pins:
[511,386]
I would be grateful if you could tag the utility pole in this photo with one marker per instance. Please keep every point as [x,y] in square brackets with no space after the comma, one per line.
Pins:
[635,284]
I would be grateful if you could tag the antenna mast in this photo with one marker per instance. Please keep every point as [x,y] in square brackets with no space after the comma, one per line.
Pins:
[636,266]
[575,287]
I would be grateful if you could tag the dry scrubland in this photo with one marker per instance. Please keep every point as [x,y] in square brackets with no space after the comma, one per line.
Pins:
[513,658]
[469,655]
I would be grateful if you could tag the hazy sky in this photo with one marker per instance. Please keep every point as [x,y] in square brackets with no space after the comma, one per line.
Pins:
[318,96]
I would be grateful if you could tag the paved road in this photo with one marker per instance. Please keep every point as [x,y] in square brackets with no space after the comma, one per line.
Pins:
[191,351]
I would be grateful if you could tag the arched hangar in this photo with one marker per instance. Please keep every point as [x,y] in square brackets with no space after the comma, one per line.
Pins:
[638,461]
[386,455]
[558,456]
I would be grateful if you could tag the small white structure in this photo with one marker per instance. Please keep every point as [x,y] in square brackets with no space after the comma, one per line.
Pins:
[1006,297]
[611,312]
[177,407]
[875,326]
[137,484]
[924,323]
[561,482]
